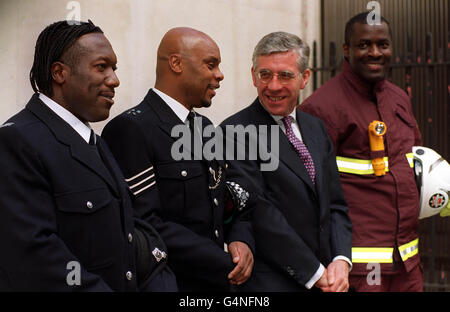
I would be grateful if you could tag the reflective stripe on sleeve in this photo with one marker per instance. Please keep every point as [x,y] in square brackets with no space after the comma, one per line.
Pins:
[409,249]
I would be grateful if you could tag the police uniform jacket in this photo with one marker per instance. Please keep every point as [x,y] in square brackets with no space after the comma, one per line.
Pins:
[190,217]
[66,220]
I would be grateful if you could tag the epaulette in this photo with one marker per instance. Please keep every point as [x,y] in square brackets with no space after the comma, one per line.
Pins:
[6,125]
[133,112]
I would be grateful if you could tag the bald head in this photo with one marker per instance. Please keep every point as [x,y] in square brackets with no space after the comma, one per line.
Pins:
[180,40]
[187,61]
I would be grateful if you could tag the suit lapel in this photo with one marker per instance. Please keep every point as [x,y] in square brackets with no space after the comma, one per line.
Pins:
[310,140]
[112,166]
[286,153]
[65,134]
[167,118]
[291,159]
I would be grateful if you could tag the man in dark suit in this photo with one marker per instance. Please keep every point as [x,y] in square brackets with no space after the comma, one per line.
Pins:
[191,189]
[299,218]
[66,219]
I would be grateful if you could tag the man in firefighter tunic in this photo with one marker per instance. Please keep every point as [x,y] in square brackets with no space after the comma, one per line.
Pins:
[383,209]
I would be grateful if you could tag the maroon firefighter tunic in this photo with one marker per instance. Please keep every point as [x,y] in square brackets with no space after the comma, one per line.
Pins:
[383,210]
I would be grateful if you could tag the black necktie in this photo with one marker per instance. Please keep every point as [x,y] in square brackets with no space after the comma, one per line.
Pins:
[196,138]
[96,144]
[190,120]
[93,143]
[92,139]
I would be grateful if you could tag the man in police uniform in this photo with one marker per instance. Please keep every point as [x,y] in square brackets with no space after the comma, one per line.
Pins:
[66,220]
[191,214]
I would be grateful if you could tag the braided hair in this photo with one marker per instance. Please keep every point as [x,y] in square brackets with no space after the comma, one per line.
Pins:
[57,43]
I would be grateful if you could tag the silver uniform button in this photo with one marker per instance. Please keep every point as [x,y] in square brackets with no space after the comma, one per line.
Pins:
[290,271]
[129,275]
[216,202]
[130,237]
[90,205]
[184,173]
[216,232]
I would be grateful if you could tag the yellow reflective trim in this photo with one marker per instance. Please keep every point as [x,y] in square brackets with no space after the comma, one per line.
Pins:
[372,249]
[411,243]
[357,166]
[356,260]
[409,249]
[445,212]
[372,254]
[410,158]
[354,171]
[354,160]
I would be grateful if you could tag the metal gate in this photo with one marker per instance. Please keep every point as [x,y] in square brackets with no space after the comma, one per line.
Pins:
[421,66]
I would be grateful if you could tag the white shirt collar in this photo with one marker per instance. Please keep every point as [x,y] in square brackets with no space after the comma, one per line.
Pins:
[179,109]
[83,129]
[295,126]
[278,117]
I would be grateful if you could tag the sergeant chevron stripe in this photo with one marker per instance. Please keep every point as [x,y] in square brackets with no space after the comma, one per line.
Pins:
[141,181]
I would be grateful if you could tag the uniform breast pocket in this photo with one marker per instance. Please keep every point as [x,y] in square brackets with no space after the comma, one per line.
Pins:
[181,185]
[89,223]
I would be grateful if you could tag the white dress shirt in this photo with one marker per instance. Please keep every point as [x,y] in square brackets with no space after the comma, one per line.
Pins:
[83,129]
[295,127]
[179,109]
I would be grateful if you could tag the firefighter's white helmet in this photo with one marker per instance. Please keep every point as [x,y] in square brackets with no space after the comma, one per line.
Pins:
[433,180]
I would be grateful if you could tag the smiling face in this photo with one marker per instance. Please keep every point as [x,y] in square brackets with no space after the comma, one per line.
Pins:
[279,99]
[369,51]
[201,72]
[88,88]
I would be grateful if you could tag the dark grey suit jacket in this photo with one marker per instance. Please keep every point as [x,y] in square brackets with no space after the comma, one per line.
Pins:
[297,225]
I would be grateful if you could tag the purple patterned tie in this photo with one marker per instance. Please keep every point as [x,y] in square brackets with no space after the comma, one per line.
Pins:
[301,149]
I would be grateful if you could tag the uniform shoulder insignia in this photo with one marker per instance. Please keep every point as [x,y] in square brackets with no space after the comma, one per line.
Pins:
[6,125]
[238,194]
[133,112]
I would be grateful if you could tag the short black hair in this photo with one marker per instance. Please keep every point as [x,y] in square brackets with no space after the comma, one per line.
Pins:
[360,18]
[54,44]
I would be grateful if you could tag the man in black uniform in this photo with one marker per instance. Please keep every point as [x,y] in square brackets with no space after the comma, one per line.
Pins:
[192,192]
[66,220]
